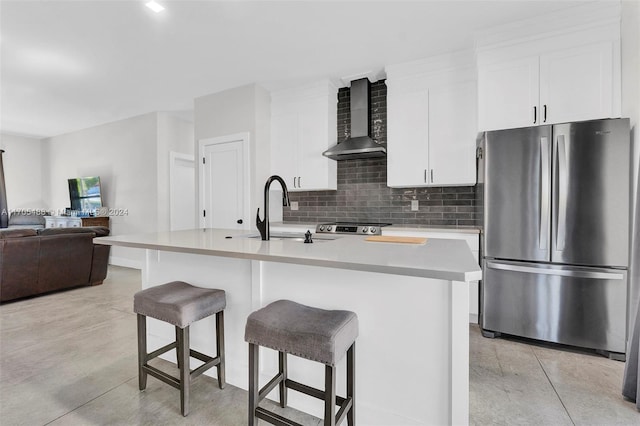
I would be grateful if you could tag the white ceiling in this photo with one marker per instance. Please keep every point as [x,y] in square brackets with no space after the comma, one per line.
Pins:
[69,65]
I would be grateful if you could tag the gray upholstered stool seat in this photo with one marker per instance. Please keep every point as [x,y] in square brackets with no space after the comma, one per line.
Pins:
[180,304]
[315,334]
[311,333]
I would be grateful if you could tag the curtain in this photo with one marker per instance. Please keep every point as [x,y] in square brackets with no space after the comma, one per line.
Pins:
[631,382]
[4,213]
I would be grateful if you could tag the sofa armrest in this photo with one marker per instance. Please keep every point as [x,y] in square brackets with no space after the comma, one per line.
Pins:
[99,263]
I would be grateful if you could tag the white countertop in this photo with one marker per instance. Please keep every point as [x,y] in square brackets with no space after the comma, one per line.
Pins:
[437,258]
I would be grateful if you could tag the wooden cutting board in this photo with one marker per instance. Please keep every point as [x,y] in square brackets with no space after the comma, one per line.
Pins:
[390,239]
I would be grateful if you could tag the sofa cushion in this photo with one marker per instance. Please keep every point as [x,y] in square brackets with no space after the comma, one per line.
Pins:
[17,233]
[27,217]
[64,231]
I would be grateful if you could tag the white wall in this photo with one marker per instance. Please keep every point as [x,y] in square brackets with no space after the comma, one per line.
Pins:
[124,155]
[243,109]
[630,46]
[23,172]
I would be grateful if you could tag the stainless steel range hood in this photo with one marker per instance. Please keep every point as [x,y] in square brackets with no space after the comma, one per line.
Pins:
[360,144]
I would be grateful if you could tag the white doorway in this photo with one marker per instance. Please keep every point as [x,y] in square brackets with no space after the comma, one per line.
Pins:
[182,191]
[224,182]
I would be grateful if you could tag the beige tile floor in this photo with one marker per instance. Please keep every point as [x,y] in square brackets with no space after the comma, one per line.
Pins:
[69,359]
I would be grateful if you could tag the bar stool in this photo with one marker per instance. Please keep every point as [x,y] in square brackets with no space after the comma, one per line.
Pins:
[180,304]
[311,333]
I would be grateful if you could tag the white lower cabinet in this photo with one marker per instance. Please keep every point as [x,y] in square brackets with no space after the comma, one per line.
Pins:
[472,240]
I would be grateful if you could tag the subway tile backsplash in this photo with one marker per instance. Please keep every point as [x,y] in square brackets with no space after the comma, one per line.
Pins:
[363,195]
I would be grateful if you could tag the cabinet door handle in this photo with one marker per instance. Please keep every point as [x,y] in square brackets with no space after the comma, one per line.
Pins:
[431,175]
[299,184]
[544,114]
[294,182]
[425,175]
[535,114]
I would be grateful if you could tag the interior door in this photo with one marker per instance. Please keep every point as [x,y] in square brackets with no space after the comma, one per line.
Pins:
[517,194]
[224,175]
[182,191]
[591,194]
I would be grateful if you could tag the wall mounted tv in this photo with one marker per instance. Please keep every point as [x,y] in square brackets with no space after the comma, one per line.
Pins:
[85,194]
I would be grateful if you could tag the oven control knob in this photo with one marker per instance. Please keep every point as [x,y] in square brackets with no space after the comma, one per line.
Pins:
[373,230]
[329,228]
[321,228]
[364,229]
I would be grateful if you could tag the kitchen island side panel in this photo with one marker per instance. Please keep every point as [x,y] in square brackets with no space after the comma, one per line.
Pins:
[406,371]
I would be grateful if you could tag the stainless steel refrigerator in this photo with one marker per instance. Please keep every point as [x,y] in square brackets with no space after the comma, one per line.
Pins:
[555,242]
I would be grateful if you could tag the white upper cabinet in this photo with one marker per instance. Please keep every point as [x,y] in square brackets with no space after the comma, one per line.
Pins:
[577,84]
[452,134]
[546,71]
[407,137]
[303,126]
[431,123]
[508,94]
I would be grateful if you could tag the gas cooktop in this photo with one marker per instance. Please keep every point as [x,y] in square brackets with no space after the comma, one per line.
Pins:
[353,228]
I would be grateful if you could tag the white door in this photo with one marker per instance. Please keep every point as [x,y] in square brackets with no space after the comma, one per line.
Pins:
[224,183]
[452,134]
[508,94]
[577,84]
[182,191]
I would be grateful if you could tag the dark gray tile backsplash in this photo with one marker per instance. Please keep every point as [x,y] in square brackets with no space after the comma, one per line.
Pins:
[363,194]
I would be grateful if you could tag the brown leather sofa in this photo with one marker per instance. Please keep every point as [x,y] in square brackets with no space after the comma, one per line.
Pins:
[39,261]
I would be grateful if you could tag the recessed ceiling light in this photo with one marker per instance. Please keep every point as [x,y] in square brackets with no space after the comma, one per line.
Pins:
[157,8]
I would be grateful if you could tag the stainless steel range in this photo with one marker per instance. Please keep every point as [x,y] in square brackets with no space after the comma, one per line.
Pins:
[353,228]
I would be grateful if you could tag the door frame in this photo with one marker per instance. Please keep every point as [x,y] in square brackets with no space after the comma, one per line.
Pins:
[242,137]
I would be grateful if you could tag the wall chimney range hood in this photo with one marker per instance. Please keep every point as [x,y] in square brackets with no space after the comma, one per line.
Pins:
[360,144]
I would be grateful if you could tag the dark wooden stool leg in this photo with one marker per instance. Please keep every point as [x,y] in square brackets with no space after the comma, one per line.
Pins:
[253,383]
[220,348]
[329,395]
[185,371]
[282,363]
[178,346]
[351,384]
[142,351]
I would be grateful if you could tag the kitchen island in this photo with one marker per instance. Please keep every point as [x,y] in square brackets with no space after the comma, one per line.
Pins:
[411,299]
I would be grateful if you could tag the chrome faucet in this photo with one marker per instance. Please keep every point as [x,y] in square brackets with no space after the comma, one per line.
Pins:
[263,225]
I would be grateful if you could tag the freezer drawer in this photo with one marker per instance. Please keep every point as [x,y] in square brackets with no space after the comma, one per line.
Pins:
[576,306]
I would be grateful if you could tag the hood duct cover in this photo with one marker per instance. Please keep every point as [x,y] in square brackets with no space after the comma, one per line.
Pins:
[360,144]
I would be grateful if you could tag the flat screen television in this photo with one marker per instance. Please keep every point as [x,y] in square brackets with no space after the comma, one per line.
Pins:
[85,194]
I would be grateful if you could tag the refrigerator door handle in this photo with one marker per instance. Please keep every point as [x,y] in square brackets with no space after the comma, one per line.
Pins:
[562,193]
[543,239]
[560,272]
